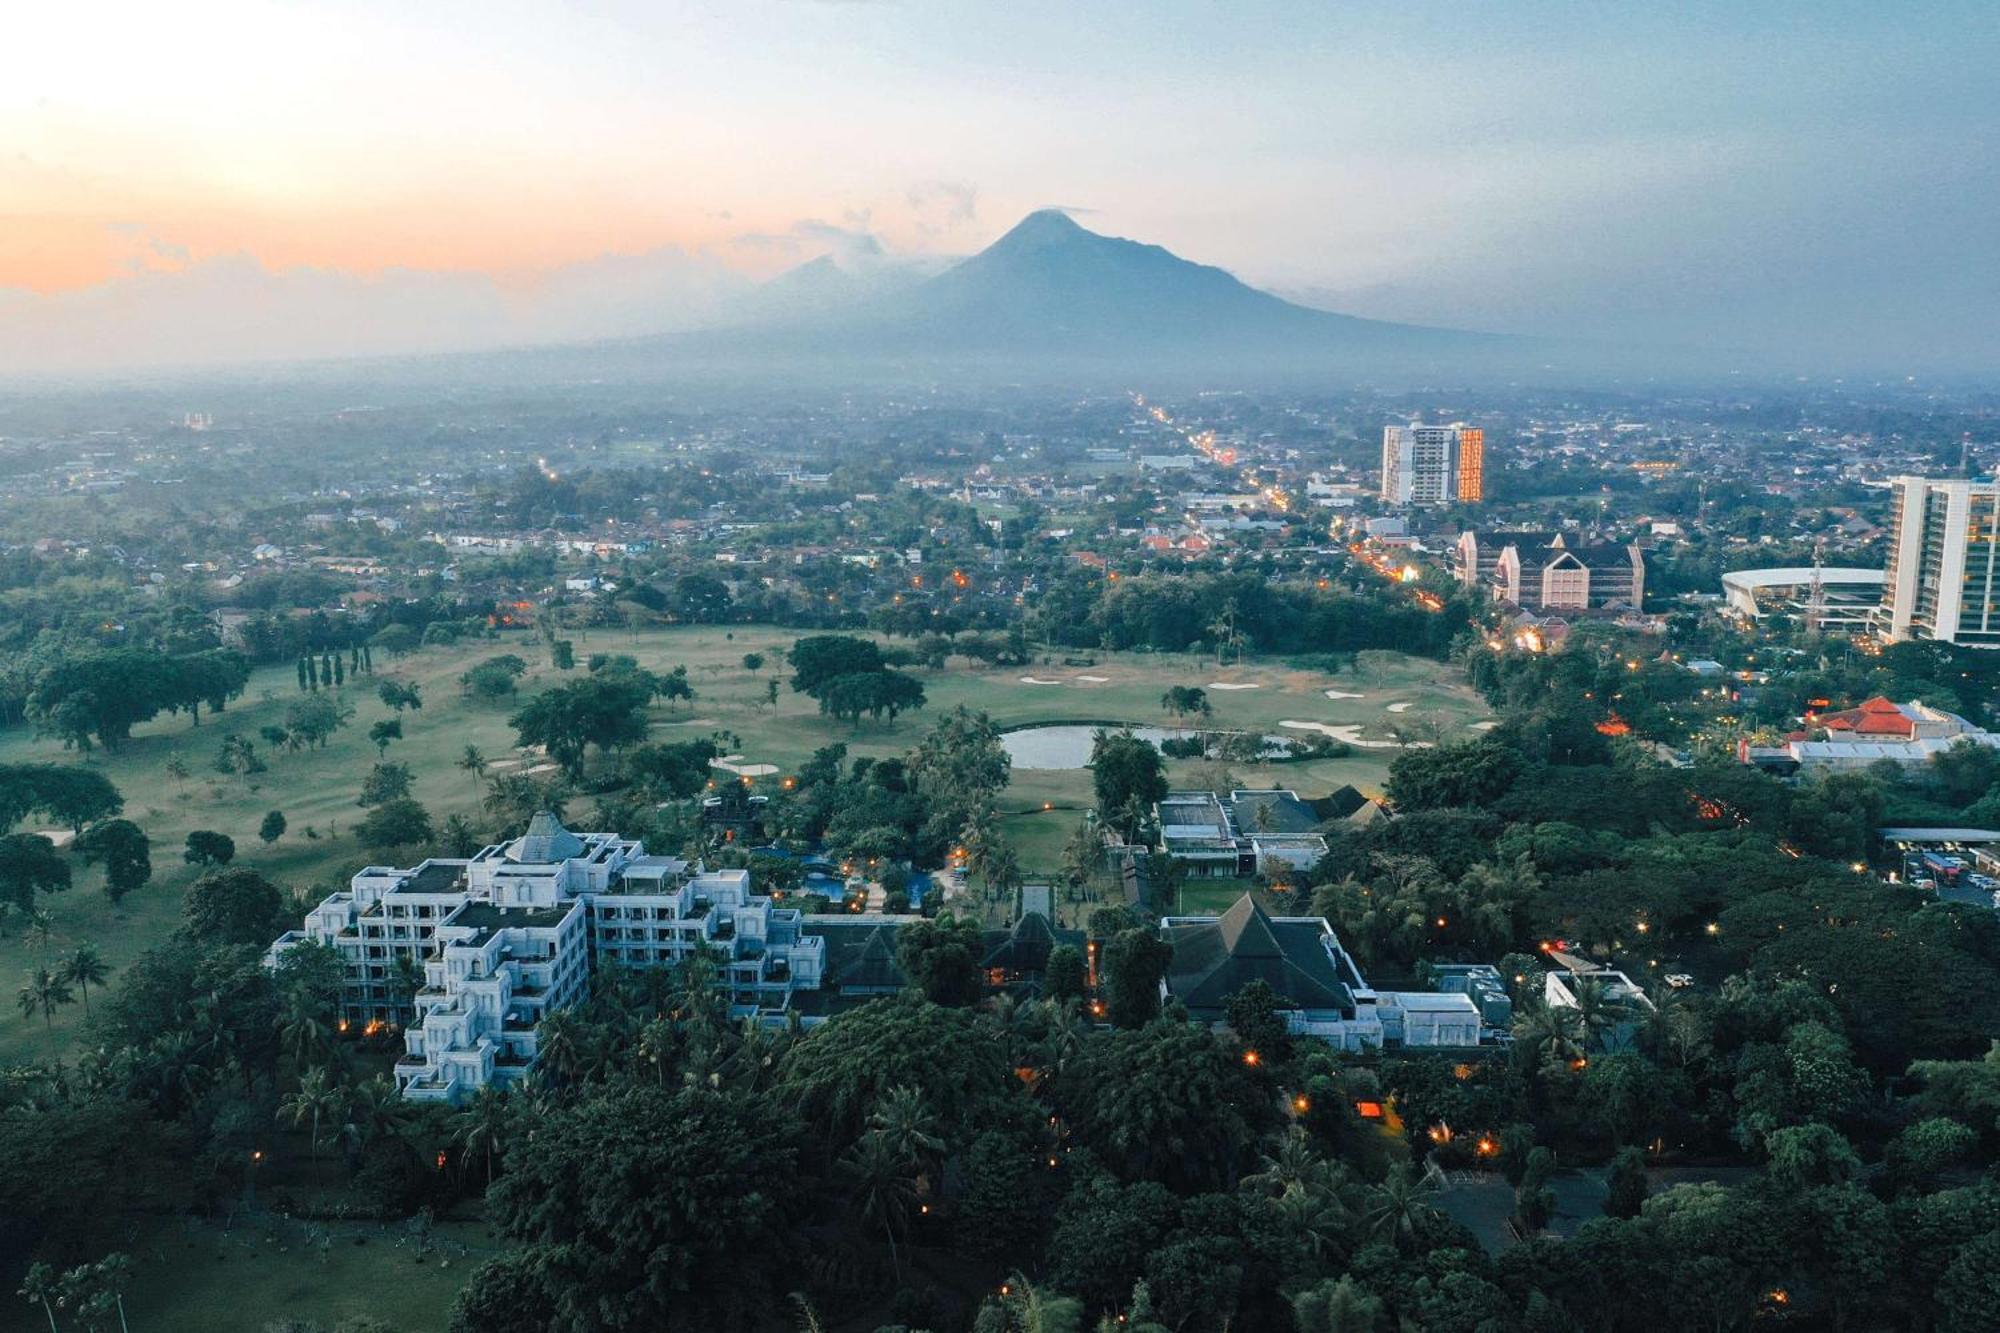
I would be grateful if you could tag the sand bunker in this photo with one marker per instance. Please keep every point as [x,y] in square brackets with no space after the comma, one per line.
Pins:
[1403,707]
[1487,725]
[1342,694]
[1095,680]
[540,768]
[1350,734]
[61,837]
[1231,685]
[733,763]
[1037,680]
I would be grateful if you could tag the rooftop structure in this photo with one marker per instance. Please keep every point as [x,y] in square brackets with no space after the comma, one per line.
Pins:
[1907,733]
[1246,833]
[1319,986]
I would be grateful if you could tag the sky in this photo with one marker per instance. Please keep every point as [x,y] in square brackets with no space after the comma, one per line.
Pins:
[236,180]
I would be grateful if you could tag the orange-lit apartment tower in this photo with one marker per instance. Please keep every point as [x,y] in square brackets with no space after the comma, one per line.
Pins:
[1471,464]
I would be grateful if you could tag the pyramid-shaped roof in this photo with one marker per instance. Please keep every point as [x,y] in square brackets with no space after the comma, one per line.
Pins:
[1215,959]
[545,843]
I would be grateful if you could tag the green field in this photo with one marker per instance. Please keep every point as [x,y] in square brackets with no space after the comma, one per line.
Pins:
[316,789]
[195,1276]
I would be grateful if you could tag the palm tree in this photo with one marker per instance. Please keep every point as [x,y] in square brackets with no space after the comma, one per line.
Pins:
[1552,1032]
[1296,1164]
[317,1099]
[85,968]
[44,990]
[1315,1216]
[1032,1310]
[302,1027]
[484,1124]
[656,1044]
[1397,1206]
[375,1110]
[406,978]
[43,1286]
[879,1179]
[174,1069]
[905,1120]
[41,928]
[474,761]
[556,1047]
[1596,1011]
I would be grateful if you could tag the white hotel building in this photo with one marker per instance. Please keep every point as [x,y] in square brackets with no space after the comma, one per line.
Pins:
[510,935]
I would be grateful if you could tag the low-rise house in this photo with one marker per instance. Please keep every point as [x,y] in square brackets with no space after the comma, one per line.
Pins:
[1248,833]
[1320,989]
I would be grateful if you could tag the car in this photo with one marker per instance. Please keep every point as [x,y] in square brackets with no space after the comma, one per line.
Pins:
[1679,980]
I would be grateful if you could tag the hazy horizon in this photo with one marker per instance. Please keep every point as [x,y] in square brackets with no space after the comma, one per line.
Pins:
[257,182]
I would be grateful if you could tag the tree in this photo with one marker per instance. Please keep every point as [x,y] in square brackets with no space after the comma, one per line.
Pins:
[710,1252]
[1396,1210]
[473,760]
[1066,973]
[400,695]
[562,654]
[395,823]
[272,827]
[1627,1185]
[484,1125]
[317,1100]
[1337,1306]
[1534,1201]
[1470,773]
[44,990]
[236,906]
[1127,775]
[29,864]
[1135,962]
[384,783]
[382,732]
[941,958]
[208,848]
[1968,1297]
[878,1180]
[753,662]
[1171,1102]
[397,640]
[1255,1019]
[821,658]
[83,967]
[608,711]
[1182,700]
[315,718]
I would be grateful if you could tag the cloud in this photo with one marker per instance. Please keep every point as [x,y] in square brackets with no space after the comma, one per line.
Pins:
[234,309]
[853,244]
[940,205]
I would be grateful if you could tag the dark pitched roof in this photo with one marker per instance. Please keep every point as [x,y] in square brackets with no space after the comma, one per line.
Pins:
[1288,813]
[860,955]
[1214,960]
[1026,947]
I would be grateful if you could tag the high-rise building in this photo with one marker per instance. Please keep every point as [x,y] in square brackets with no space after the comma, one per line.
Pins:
[1433,465]
[1943,579]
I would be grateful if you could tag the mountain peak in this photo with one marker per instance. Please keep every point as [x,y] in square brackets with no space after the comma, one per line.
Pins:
[1046,224]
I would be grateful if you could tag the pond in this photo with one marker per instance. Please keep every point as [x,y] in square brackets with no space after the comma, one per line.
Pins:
[1067,745]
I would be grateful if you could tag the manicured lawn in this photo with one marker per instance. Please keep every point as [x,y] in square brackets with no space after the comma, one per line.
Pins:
[194,1276]
[316,789]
